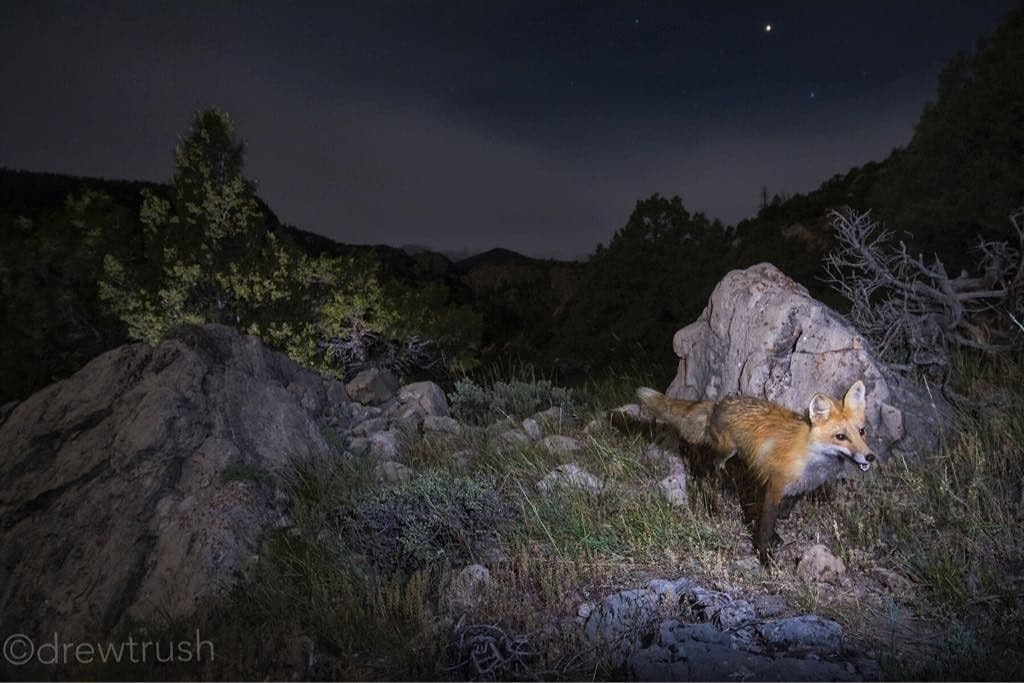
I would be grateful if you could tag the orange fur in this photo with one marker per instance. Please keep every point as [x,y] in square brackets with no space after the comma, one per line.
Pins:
[788,452]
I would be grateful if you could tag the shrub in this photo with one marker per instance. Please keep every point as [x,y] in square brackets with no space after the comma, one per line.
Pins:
[475,404]
[427,522]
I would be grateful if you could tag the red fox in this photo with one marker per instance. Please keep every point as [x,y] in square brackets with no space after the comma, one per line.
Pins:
[789,453]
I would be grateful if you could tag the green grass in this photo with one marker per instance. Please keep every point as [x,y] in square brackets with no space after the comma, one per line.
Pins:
[948,522]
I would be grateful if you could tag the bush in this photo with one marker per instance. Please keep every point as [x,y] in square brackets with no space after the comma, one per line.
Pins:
[478,405]
[429,522]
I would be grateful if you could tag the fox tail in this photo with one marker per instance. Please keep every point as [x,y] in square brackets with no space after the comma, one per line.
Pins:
[689,418]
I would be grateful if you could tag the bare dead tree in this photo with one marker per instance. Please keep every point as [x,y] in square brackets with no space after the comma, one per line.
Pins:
[912,311]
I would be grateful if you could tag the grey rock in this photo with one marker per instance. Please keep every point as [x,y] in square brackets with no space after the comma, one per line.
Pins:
[672,490]
[385,445]
[571,476]
[619,622]
[631,632]
[705,603]
[771,605]
[669,592]
[629,416]
[426,397]
[819,564]
[372,386]
[659,454]
[436,423]
[369,426]
[513,438]
[762,334]
[808,633]
[701,652]
[555,415]
[532,429]
[112,489]
[734,614]
[557,444]
[898,584]
[747,565]
[362,413]
[393,472]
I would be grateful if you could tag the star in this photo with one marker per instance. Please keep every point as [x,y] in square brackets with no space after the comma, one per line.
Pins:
[767,28]
[812,94]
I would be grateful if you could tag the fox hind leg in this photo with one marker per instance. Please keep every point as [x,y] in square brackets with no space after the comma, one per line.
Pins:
[766,536]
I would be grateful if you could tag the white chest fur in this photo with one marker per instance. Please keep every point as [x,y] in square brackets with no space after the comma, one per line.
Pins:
[822,465]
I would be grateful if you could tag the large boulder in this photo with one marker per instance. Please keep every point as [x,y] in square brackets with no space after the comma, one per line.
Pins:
[762,334]
[138,486]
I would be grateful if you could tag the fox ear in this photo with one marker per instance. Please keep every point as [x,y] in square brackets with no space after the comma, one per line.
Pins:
[854,399]
[819,409]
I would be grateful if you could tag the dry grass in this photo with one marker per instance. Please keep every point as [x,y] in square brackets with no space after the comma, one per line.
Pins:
[934,550]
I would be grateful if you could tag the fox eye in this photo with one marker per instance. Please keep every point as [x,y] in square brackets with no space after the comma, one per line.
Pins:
[840,437]
[862,430]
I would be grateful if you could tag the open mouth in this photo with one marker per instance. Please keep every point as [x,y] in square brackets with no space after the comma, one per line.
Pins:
[860,462]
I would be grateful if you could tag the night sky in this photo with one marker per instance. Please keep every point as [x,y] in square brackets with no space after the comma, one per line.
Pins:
[470,125]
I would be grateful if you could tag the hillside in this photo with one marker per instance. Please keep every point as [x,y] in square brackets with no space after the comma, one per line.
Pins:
[958,177]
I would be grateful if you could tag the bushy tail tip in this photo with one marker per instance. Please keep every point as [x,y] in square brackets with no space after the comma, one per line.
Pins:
[648,396]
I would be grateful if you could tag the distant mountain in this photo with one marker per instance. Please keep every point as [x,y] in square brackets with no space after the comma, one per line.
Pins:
[495,257]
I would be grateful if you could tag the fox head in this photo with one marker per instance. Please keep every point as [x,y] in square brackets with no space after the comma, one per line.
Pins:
[839,428]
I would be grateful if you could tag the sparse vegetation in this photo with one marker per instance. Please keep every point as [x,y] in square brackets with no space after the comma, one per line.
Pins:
[355,584]
[933,551]
[475,404]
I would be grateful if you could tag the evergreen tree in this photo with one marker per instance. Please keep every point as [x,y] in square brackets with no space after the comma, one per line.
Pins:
[209,255]
[653,278]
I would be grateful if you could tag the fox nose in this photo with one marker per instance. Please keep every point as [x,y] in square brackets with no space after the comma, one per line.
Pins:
[870,457]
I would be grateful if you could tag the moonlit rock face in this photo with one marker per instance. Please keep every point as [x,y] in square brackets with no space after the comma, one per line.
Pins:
[763,335]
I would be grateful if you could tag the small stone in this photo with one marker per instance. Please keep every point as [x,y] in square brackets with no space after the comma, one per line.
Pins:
[557,444]
[672,490]
[570,476]
[372,386]
[367,427]
[554,415]
[435,423]
[393,472]
[734,614]
[385,445]
[426,397]
[748,565]
[807,633]
[819,564]
[532,429]
[771,605]
[896,583]
[513,438]
[628,416]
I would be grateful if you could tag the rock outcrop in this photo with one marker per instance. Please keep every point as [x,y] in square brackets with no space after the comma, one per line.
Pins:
[136,487]
[680,631]
[762,334]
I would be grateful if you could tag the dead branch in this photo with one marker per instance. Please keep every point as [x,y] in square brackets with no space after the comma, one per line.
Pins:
[912,310]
